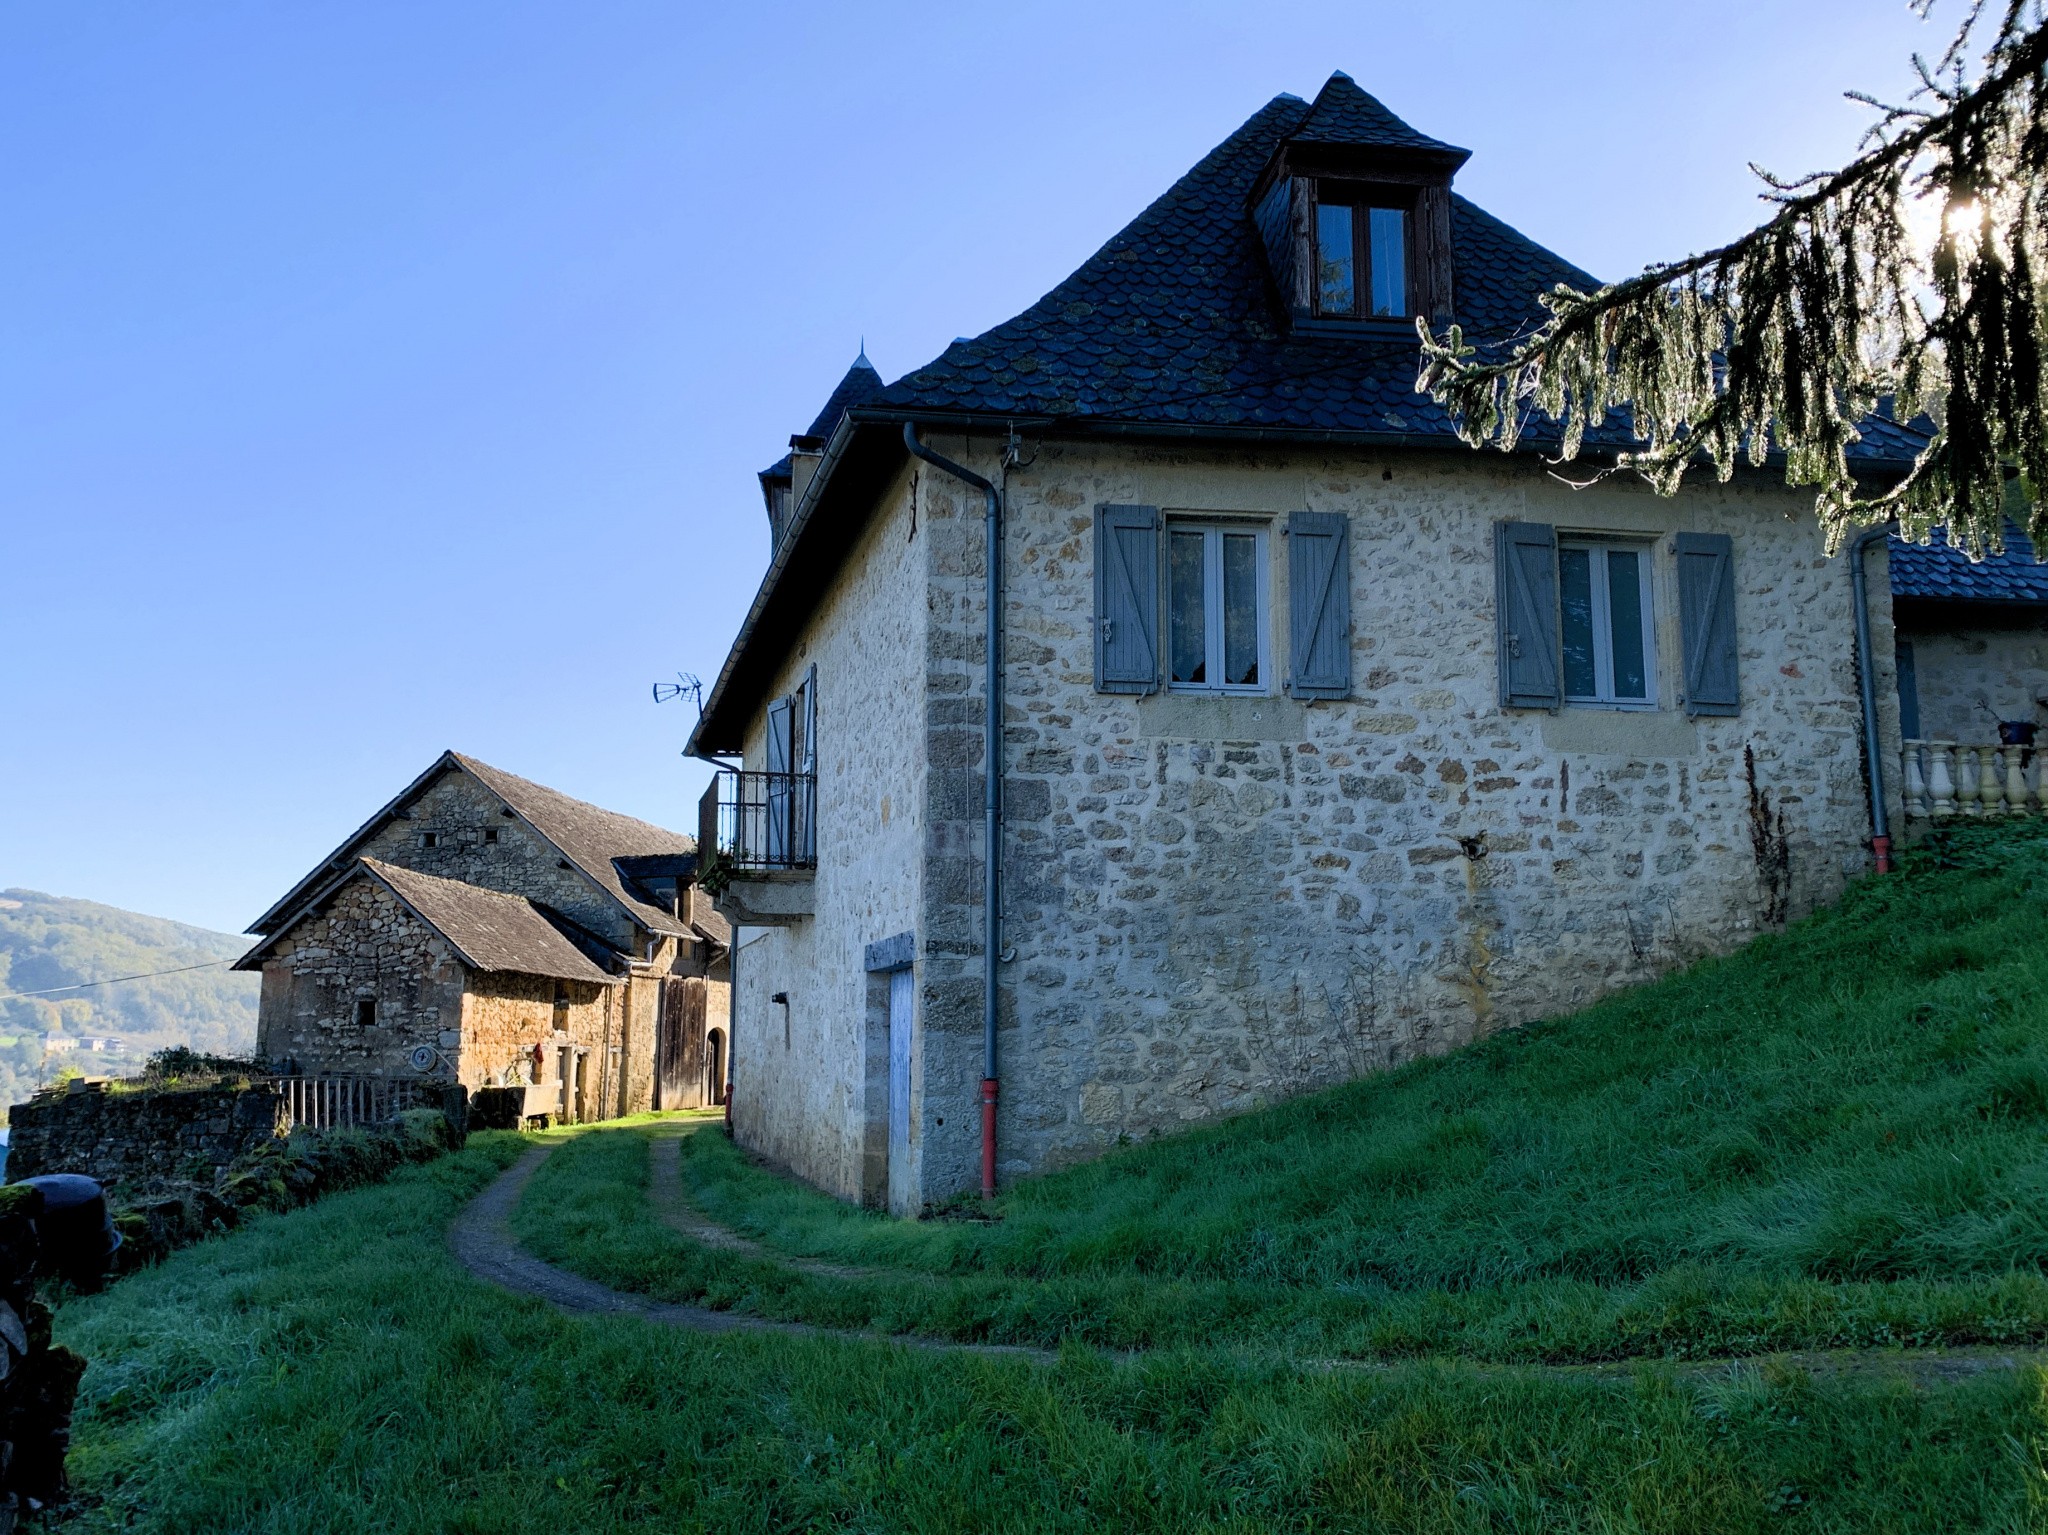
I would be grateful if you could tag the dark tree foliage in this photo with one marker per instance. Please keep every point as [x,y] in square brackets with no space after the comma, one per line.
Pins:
[1908,282]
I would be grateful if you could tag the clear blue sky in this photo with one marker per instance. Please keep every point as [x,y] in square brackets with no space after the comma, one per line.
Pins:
[382,377]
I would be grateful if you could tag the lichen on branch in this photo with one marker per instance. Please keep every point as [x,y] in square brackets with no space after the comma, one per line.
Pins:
[1906,284]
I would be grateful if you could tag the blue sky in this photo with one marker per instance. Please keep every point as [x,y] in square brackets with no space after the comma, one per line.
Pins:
[378,377]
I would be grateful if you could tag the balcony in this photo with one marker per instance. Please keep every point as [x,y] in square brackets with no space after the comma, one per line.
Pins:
[758,836]
[1945,778]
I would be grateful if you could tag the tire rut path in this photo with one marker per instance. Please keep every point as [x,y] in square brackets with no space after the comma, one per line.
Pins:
[482,1241]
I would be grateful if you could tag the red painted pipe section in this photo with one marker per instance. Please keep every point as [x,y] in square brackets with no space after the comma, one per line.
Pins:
[1882,848]
[988,1137]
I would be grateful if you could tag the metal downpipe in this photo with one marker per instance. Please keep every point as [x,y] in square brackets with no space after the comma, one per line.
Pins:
[1866,679]
[992,792]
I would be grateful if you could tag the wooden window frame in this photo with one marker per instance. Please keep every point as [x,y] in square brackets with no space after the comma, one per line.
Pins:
[1603,696]
[1213,529]
[1361,198]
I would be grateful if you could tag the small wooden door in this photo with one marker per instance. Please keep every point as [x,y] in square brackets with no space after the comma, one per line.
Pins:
[902,1001]
[679,1045]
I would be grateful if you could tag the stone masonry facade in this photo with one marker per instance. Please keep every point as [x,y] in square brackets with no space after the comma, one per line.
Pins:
[806,1074]
[462,814]
[1212,903]
[368,947]
[365,947]
[1972,670]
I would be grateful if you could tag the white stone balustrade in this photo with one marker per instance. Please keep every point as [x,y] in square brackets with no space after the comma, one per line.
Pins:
[1944,778]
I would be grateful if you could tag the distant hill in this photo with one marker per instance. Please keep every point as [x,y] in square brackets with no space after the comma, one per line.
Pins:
[48,941]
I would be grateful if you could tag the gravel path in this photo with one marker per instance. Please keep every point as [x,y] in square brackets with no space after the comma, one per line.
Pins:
[482,1241]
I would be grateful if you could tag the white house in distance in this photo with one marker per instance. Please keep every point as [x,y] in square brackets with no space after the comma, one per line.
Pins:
[1322,741]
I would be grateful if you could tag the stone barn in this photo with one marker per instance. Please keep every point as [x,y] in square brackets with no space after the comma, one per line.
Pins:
[484,929]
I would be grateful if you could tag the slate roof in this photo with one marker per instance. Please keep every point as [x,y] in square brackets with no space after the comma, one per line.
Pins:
[1943,572]
[1176,321]
[488,930]
[1344,114]
[587,836]
[860,385]
[1176,328]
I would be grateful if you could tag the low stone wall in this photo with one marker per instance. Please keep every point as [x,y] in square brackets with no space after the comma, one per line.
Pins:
[119,1137]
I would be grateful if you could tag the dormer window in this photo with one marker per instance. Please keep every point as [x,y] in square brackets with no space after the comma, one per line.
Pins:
[1354,212]
[1361,256]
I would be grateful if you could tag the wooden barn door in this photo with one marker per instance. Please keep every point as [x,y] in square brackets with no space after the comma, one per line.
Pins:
[679,1044]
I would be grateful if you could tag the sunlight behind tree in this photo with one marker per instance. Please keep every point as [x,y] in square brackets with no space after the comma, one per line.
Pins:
[1907,283]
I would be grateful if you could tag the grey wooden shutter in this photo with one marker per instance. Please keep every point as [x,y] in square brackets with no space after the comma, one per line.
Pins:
[1319,604]
[1525,605]
[1706,622]
[776,828]
[1127,599]
[804,812]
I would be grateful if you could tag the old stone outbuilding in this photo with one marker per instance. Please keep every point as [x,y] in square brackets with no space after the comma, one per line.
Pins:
[484,929]
[1320,741]
[1971,637]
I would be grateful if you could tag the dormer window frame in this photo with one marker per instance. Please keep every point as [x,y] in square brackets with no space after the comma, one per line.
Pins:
[1416,182]
[1362,198]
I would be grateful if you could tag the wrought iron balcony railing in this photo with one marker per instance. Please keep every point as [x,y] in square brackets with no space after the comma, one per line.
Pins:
[760,822]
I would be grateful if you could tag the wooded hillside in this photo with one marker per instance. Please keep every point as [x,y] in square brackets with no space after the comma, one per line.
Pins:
[50,941]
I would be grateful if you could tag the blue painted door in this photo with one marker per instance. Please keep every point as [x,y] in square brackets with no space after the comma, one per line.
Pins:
[902,999]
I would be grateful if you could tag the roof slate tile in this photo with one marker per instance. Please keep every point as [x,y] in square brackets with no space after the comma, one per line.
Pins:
[1176,319]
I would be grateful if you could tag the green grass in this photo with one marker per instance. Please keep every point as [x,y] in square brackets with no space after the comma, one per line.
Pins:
[331,1370]
[1836,1137]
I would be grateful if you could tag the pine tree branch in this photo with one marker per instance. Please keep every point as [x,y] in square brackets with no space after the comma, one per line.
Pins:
[1792,335]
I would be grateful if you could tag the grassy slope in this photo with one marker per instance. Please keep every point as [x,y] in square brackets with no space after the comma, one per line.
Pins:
[1835,1137]
[331,1370]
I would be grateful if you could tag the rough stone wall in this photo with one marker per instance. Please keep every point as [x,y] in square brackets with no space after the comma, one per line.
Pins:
[115,1137]
[1214,903]
[1218,903]
[461,811]
[504,1016]
[800,1074]
[1973,669]
[366,944]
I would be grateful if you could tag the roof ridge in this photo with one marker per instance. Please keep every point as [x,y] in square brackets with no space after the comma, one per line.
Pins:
[1344,112]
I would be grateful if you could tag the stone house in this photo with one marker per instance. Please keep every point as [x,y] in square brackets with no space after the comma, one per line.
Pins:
[1283,738]
[1971,637]
[484,929]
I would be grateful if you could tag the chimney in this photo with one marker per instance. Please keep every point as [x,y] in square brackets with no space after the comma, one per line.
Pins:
[805,454]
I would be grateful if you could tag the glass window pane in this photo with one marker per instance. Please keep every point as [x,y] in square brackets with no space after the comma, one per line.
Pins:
[1240,609]
[1188,643]
[1336,281]
[1575,582]
[1389,232]
[1625,609]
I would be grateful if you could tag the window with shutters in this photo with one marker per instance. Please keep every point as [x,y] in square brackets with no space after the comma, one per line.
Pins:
[1607,634]
[1216,621]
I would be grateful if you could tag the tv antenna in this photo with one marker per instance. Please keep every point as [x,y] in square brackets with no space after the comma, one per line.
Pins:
[687,685]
